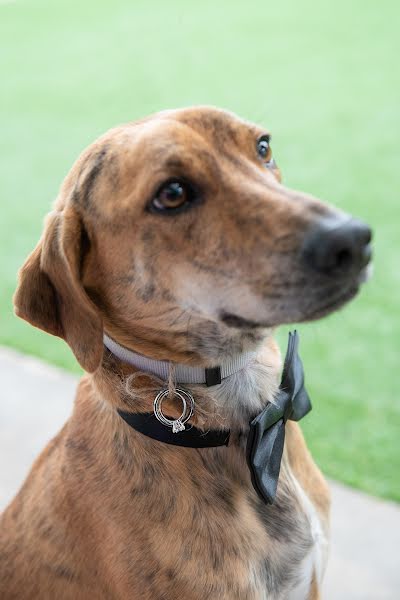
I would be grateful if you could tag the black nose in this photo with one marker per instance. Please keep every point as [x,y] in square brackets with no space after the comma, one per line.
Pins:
[340,250]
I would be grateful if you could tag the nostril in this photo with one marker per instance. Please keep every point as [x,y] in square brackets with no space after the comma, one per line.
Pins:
[344,259]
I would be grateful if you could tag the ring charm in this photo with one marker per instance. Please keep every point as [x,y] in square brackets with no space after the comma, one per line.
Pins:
[188,409]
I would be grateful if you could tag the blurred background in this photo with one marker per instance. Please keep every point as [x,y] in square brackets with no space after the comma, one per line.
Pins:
[322,76]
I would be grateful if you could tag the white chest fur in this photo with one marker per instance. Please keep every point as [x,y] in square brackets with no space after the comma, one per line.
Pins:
[315,561]
[298,584]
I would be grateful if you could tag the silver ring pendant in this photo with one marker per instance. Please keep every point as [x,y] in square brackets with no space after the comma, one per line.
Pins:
[188,409]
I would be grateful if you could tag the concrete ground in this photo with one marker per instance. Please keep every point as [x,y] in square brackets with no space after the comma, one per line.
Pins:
[35,400]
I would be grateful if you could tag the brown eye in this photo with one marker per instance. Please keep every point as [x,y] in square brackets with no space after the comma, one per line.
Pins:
[264,149]
[172,196]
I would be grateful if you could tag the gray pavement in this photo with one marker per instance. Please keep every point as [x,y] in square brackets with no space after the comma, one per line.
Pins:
[36,399]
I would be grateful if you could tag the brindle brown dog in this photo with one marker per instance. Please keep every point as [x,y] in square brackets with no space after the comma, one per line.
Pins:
[175,236]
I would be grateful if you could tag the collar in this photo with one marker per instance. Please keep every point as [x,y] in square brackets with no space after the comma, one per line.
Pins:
[266,438]
[183,373]
[191,437]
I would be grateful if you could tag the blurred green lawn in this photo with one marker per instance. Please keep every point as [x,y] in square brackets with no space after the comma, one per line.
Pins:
[322,76]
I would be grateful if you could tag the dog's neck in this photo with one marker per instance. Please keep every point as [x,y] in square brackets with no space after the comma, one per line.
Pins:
[231,405]
[242,392]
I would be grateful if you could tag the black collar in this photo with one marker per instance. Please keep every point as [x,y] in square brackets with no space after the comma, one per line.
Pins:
[267,430]
[191,437]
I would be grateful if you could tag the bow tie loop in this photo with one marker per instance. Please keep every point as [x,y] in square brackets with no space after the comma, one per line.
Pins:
[293,381]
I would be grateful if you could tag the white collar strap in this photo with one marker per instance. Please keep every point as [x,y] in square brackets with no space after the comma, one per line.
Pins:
[183,373]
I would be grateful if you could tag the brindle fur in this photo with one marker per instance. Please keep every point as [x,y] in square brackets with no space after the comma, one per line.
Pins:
[105,511]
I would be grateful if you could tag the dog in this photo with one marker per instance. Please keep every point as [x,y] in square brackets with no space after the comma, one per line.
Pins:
[173,242]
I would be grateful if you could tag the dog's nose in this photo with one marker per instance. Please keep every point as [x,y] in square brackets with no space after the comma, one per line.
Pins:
[340,250]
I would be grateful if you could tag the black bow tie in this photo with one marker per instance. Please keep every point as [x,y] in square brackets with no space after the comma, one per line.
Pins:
[267,430]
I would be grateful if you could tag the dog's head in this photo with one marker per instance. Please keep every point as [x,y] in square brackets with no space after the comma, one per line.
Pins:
[175,236]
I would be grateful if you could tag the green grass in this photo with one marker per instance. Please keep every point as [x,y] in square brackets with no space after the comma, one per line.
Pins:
[323,76]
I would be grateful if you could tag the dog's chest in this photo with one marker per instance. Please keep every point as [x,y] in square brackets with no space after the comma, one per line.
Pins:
[204,532]
[284,571]
[297,549]
[249,550]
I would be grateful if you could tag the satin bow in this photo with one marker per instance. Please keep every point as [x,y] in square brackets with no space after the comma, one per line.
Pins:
[267,430]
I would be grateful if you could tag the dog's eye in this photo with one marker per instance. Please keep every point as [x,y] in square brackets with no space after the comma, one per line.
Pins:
[263,147]
[172,196]
[264,151]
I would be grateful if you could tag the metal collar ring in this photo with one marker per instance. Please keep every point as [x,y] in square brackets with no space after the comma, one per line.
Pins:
[188,409]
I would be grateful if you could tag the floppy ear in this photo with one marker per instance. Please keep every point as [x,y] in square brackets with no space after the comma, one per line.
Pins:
[50,294]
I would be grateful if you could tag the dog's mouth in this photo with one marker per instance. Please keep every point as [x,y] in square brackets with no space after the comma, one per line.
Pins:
[333,305]
[316,310]
[232,320]
[238,322]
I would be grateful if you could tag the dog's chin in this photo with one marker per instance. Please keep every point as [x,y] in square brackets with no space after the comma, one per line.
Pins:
[346,295]
[296,315]
[312,312]
[329,307]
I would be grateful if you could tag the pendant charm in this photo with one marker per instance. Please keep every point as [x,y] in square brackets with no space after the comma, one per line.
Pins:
[178,424]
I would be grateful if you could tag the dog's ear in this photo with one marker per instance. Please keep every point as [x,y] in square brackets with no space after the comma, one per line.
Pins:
[50,294]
